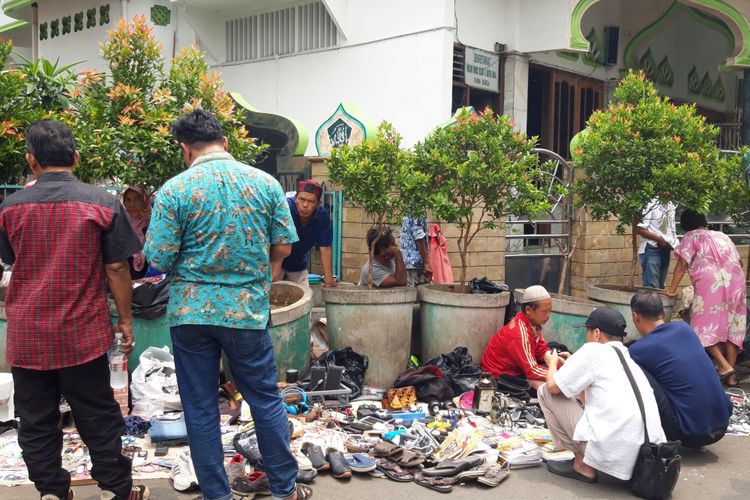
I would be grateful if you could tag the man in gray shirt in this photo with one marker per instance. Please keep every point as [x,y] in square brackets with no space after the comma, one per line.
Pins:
[388,268]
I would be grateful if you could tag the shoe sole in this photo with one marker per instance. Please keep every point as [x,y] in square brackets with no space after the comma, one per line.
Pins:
[345,475]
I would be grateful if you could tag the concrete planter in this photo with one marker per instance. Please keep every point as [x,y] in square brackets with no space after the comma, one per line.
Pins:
[290,326]
[376,323]
[567,312]
[618,297]
[450,319]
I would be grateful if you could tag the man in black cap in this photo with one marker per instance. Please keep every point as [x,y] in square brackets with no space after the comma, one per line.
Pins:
[590,406]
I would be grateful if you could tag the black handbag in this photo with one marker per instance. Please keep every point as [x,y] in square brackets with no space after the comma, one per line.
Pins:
[658,465]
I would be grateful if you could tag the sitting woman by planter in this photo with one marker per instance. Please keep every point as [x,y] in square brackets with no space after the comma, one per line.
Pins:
[718,311]
[388,269]
[518,349]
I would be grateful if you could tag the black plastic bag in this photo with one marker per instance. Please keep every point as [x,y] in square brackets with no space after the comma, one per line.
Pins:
[459,368]
[355,366]
[485,286]
[429,382]
[150,299]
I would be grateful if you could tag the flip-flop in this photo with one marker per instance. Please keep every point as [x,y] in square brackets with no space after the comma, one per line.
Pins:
[565,468]
[441,484]
[359,462]
[724,376]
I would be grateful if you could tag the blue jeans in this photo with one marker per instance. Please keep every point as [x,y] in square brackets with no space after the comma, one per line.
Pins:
[197,352]
[655,265]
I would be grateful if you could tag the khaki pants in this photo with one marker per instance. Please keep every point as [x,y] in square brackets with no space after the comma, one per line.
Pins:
[562,415]
[299,277]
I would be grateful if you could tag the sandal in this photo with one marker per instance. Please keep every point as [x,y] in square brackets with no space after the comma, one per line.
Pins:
[359,462]
[441,484]
[394,471]
[493,475]
[565,468]
[410,459]
[448,468]
[384,449]
[303,492]
[724,376]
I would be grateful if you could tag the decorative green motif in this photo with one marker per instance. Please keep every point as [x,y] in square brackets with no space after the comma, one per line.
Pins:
[54,28]
[161,15]
[66,25]
[91,18]
[648,65]
[43,31]
[665,72]
[694,81]
[104,15]
[566,54]
[78,22]
[707,86]
[719,93]
[595,56]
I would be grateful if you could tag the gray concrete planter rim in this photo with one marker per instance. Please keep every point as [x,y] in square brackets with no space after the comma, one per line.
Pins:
[566,303]
[618,294]
[293,311]
[359,295]
[443,295]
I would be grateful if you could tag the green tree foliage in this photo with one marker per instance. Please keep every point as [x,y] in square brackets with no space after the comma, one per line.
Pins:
[121,121]
[481,171]
[29,92]
[644,147]
[377,176]
[734,193]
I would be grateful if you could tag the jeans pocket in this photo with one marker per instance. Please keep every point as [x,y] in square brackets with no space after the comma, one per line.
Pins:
[251,342]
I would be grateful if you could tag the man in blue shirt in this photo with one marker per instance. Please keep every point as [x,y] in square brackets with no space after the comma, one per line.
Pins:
[692,404]
[414,248]
[313,226]
[219,227]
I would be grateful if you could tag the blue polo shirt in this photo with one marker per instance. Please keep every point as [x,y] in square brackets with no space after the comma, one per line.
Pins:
[317,232]
[674,356]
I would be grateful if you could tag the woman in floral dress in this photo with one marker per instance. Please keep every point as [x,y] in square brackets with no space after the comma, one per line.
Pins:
[718,311]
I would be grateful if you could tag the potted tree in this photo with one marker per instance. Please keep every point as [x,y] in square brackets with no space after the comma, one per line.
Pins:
[376,176]
[121,121]
[480,171]
[640,148]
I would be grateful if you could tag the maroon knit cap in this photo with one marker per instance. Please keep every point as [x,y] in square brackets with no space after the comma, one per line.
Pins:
[310,186]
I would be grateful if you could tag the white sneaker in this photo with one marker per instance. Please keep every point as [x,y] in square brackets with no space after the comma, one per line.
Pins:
[183,474]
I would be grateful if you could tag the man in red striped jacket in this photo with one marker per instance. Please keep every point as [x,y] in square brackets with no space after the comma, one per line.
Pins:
[519,349]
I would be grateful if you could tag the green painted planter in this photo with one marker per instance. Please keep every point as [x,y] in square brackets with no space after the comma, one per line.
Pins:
[449,319]
[290,326]
[567,313]
[618,297]
[375,323]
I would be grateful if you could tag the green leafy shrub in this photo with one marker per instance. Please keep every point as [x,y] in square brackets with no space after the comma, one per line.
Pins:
[481,171]
[122,121]
[378,176]
[644,147]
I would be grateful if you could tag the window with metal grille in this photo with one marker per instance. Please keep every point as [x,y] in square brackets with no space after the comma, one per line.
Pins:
[292,30]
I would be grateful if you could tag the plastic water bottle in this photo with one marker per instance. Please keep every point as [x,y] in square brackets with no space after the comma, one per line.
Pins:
[118,365]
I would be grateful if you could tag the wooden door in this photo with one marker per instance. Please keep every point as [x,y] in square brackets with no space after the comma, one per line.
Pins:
[574,98]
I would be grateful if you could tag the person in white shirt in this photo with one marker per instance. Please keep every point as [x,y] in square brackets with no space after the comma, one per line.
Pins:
[658,238]
[590,406]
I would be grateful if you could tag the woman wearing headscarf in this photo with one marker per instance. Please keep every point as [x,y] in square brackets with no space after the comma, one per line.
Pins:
[138,206]
[718,311]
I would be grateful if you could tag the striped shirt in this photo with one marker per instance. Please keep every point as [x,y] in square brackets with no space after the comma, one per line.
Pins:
[518,349]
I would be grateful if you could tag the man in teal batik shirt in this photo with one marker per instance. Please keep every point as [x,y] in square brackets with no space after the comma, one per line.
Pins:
[218,227]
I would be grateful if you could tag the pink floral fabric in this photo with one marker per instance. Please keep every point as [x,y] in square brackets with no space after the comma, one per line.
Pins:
[718,311]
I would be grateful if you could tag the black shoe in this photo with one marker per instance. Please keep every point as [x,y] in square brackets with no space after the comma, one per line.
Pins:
[306,476]
[339,468]
[315,454]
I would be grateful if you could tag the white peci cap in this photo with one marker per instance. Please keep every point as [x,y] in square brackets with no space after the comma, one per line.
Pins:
[534,294]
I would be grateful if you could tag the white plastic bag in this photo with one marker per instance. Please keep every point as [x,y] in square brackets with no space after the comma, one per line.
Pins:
[154,384]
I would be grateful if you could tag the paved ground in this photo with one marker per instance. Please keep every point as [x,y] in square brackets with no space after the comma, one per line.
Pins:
[720,471]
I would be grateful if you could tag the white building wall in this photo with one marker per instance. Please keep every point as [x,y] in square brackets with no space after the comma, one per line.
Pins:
[405,80]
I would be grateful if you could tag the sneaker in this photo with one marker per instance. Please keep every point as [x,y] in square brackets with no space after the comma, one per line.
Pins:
[249,486]
[183,474]
[50,496]
[235,468]
[138,492]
